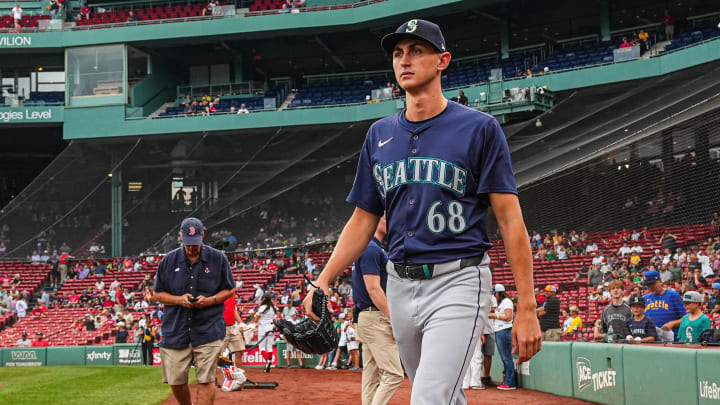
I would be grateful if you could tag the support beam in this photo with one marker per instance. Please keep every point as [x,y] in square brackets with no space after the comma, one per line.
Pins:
[604,20]
[116,221]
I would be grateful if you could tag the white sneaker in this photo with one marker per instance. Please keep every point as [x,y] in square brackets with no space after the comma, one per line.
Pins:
[466,387]
[331,368]
[319,367]
[478,387]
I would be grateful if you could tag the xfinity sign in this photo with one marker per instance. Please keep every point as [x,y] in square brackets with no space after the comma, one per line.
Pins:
[15,41]
[92,356]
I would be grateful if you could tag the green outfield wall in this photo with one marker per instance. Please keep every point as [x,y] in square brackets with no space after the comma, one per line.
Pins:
[625,374]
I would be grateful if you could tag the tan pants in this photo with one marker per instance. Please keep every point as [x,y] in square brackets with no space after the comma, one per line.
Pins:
[382,371]
[232,340]
[176,363]
[552,335]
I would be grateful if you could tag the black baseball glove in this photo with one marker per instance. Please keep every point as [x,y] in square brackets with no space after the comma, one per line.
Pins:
[308,336]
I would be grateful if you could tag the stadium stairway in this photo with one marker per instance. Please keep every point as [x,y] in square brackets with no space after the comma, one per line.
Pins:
[288,100]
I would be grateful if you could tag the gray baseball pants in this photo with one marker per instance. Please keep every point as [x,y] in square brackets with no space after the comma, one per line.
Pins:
[437,322]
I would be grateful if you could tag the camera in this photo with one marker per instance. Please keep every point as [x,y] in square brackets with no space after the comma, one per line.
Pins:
[192,300]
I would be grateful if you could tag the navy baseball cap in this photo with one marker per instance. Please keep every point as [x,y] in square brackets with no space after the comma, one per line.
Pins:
[191,231]
[416,28]
[636,300]
[650,277]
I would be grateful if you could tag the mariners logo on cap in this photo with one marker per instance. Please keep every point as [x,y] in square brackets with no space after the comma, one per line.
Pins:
[411,26]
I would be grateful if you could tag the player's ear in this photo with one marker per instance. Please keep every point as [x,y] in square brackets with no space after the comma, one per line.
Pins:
[444,61]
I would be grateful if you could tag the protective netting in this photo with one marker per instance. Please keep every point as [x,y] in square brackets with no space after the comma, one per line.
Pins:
[218,177]
[633,159]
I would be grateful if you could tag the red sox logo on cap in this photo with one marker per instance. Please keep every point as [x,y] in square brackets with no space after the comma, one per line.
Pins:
[191,231]
[207,270]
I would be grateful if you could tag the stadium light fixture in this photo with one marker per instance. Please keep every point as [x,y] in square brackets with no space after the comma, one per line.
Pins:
[538,123]
[40,69]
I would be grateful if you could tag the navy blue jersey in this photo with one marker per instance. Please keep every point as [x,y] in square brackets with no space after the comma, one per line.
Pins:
[372,261]
[432,178]
[642,328]
[209,275]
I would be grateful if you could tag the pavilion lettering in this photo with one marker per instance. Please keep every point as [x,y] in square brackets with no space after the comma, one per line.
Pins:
[13,41]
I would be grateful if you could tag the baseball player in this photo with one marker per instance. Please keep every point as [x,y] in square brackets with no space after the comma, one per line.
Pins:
[435,168]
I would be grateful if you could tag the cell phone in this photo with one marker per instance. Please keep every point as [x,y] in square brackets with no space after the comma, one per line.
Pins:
[192,300]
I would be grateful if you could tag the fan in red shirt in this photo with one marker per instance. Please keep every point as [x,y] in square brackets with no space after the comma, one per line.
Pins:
[40,342]
[73,299]
[40,309]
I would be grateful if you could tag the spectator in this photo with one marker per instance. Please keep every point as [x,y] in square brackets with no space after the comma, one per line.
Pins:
[624,249]
[669,22]
[100,285]
[292,350]
[695,321]
[190,109]
[664,306]
[89,324]
[23,342]
[667,241]
[665,275]
[567,319]
[84,13]
[502,320]
[63,266]
[40,308]
[595,277]
[40,341]
[344,289]
[243,109]
[353,345]
[21,307]
[462,99]
[100,269]
[583,273]
[713,304]
[288,312]
[17,14]
[549,314]
[615,315]
[640,326]
[675,270]
[208,10]
[698,281]
[55,7]
[84,272]
[131,16]
[576,323]
[121,335]
[293,4]
[644,38]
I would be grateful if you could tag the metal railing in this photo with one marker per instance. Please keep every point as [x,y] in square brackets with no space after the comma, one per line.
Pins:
[238,88]
[198,18]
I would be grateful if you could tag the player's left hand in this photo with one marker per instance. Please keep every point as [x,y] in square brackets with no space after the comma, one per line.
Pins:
[526,336]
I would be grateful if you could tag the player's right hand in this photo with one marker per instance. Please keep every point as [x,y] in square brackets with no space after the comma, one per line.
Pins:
[183,300]
[308,301]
